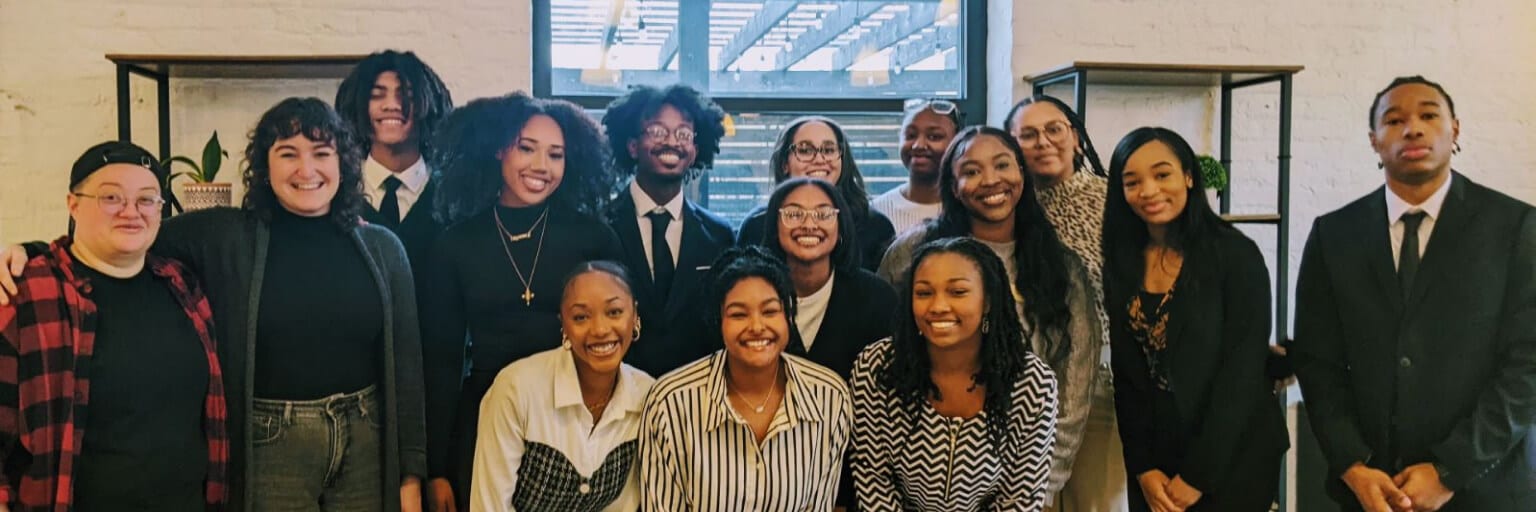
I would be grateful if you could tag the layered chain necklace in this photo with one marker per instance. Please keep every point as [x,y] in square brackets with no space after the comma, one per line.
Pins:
[506,236]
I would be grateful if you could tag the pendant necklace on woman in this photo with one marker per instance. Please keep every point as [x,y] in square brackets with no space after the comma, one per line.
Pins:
[505,235]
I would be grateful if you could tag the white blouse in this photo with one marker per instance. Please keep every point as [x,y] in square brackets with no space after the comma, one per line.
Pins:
[538,448]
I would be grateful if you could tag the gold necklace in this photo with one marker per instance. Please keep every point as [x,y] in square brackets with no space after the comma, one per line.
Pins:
[526,234]
[504,236]
[759,408]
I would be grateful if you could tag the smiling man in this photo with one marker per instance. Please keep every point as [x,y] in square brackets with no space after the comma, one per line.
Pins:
[664,138]
[110,391]
[1416,326]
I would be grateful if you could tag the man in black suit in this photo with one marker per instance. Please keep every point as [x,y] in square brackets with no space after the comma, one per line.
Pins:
[664,138]
[1416,326]
[394,103]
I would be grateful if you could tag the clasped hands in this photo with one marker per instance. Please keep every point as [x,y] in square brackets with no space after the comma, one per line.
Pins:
[1416,489]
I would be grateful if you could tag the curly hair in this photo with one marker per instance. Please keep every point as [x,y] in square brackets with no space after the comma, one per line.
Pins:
[845,255]
[1126,235]
[1084,155]
[850,181]
[740,263]
[426,99]
[315,120]
[626,116]
[1039,256]
[469,171]
[1004,348]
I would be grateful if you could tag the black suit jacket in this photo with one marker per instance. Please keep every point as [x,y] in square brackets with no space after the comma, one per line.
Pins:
[1218,343]
[672,333]
[859,312]
[1446,374]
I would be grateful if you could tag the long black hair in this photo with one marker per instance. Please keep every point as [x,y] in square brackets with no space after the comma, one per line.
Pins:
[845,255]
[740,263]
[1084,155]
[850,182]
[469,172]
[1004,347]
[626,116]
[1125,234]
[1044,278]
[426,99]
[315,120]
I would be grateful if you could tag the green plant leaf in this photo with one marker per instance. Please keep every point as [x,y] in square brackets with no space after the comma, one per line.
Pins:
[189,174]
[1212,172]
[212,158]
[196,173]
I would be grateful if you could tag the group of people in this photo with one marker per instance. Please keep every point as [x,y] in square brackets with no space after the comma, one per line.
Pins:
[428,307]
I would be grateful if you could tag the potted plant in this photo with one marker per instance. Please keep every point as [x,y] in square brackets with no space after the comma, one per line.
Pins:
[202,192]
[1215,177]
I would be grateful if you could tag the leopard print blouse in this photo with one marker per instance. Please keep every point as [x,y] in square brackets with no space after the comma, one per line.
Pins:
[1076,209]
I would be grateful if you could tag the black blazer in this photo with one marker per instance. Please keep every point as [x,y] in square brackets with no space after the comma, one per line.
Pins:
[859,312]
[1445,375]
[875,234]
[1218,342]
[671,334]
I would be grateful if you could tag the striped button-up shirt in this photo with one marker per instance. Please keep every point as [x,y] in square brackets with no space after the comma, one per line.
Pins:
[47,337]
[697,454]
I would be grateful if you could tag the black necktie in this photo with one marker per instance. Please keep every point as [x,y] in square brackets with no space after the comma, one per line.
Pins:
[661,253]
[389,208]
[1408,256]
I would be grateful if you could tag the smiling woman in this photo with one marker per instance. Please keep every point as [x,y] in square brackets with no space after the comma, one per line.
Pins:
[521,180]
[750,427]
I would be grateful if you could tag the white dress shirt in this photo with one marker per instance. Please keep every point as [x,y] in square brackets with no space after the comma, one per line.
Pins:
[811,310]
[537,401]
[699,455]
[413,180]
[1396,207]
[644,205]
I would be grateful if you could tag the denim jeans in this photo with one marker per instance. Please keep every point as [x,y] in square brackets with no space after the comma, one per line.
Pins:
[318,455]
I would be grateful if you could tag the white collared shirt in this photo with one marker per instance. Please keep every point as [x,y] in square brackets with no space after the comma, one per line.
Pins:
[811,310]
[1396,207]
[533,415]
[643,205]
[413,180]
[699,455]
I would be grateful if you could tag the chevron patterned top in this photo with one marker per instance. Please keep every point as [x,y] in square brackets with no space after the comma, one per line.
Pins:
[928,462]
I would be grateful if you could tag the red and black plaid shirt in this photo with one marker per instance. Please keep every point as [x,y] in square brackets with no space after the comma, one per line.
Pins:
[46,337]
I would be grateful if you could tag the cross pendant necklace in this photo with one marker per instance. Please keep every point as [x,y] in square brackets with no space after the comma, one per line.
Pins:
[504,235]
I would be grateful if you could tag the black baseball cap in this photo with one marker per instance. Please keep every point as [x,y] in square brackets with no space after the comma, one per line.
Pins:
[113,152]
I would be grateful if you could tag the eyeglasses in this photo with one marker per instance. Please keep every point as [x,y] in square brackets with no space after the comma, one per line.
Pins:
[113,203]
[659,133]
[806,152]
[795,215]
[1055,131]
[938,106]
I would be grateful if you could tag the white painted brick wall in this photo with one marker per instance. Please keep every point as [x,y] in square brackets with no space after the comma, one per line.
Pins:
[57,91]
[1482,51]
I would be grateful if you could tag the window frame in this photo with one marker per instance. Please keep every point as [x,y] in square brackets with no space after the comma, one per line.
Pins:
[972,101]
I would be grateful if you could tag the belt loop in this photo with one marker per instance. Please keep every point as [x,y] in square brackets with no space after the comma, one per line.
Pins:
[287,413]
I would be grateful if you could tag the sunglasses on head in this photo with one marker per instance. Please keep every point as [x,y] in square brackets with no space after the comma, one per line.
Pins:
[938,106]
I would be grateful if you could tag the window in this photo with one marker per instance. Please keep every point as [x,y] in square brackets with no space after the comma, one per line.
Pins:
[767,62]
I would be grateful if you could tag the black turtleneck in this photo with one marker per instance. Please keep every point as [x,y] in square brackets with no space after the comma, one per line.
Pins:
[321,320]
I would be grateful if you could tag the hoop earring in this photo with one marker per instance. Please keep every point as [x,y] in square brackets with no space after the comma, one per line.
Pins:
[1455,147]
[565,342]
[986,325]
[636,335]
